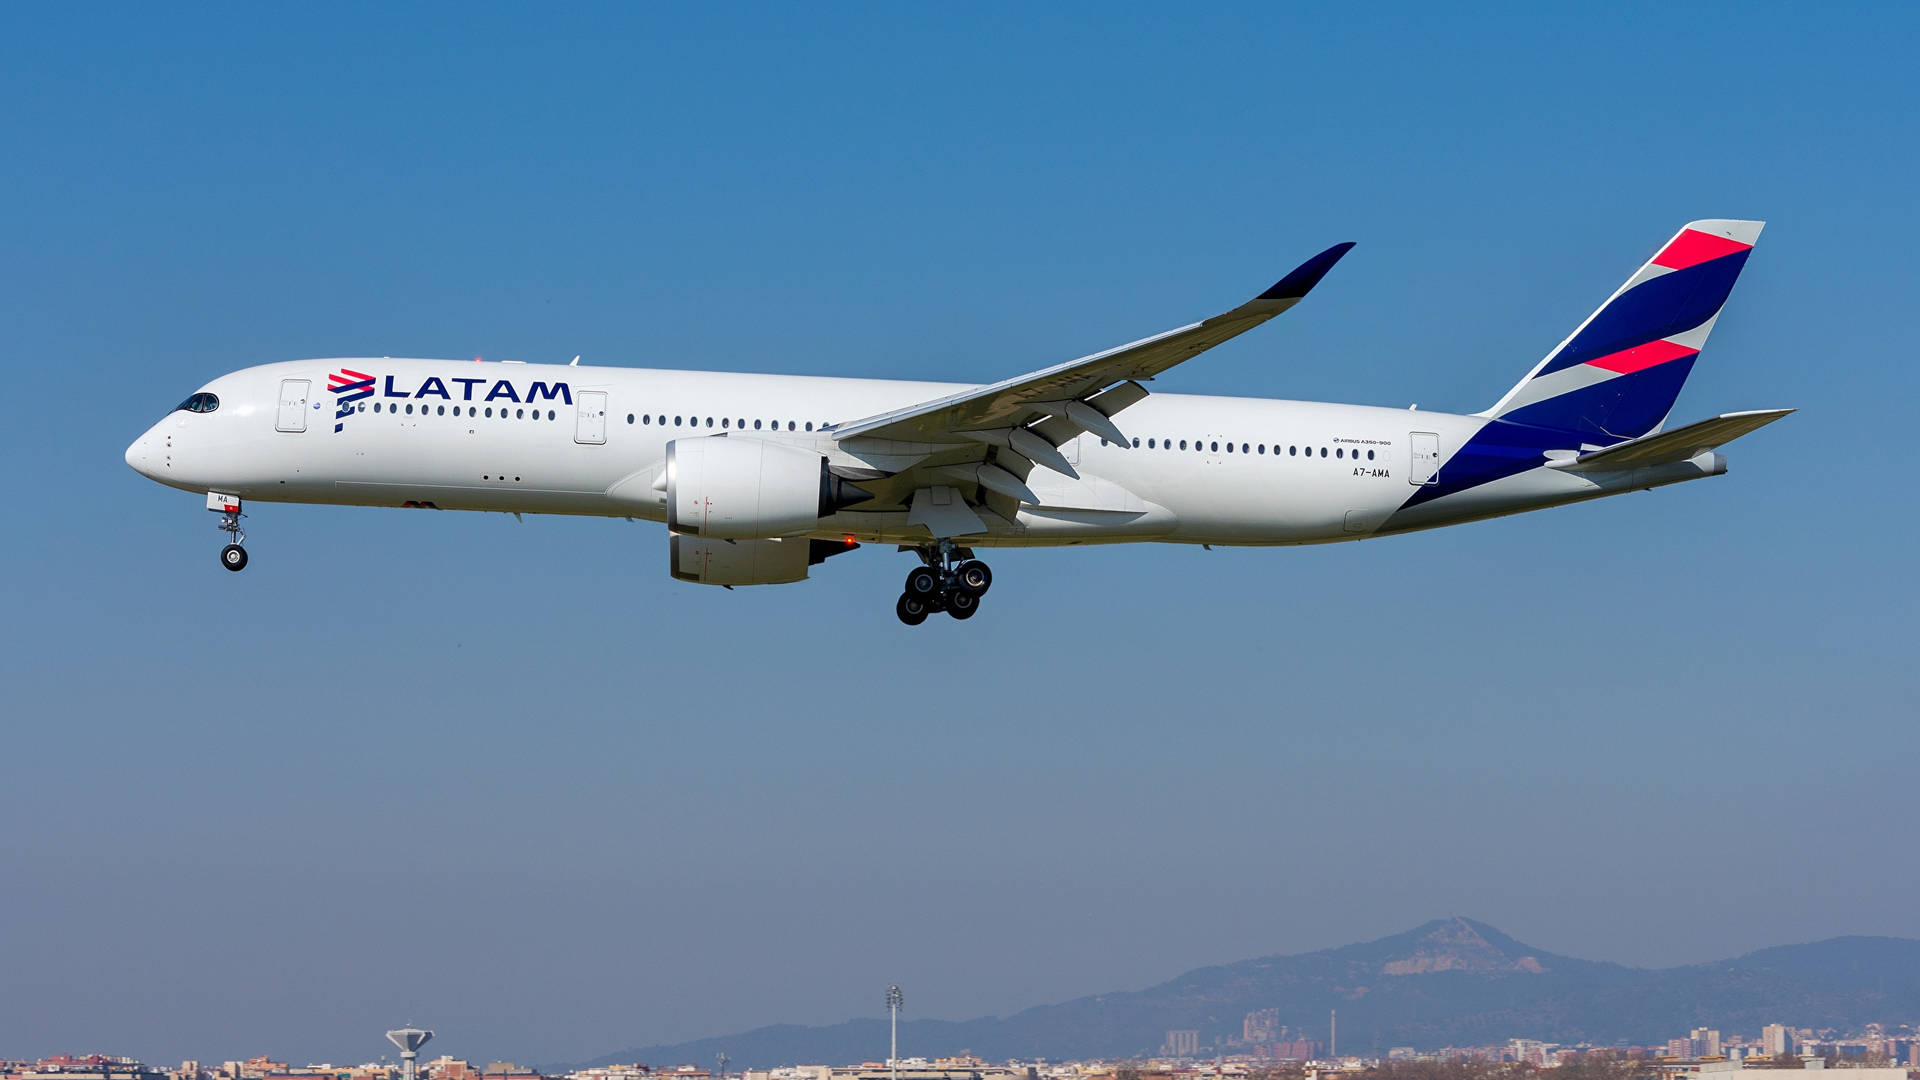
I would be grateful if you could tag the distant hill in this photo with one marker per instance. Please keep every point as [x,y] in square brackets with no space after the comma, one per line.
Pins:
[1450,982]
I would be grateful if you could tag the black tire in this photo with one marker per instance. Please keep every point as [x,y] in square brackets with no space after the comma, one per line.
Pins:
[233,557]
[922,582]
[963,604]
[976,577]
[911,609]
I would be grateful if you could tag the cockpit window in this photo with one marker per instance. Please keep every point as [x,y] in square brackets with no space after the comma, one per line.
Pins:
[202,402]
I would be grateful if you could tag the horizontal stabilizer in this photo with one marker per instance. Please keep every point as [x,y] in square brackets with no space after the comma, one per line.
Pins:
[1680,444]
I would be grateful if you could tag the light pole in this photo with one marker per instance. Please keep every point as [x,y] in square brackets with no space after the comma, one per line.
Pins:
[894,1001]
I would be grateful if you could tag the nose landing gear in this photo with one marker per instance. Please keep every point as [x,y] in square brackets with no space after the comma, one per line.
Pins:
[952,581]
[233,556]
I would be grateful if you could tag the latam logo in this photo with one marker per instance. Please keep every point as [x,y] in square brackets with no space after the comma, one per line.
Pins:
[350,386]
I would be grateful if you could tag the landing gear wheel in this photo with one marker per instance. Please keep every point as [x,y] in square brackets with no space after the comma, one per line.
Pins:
[922,583]
[233,557]
[963,604]
[975,577]
[911,609]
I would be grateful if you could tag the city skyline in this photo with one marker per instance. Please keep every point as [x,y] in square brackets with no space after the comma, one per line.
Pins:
[1773,1047]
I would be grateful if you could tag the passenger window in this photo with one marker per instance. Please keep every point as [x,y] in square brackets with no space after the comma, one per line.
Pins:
[1339,452]
[518,414]
[1323,451]
[809,425]
[629,418]
[756,425]
[1216,448]
[1229,448]
[1263,448]
[709,421]
[1293,451]
[1369,455]
[1183,444]
[723,421]
[1151,445]
[1136,444]
[676,421]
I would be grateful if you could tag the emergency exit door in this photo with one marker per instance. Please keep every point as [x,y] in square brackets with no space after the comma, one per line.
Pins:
[1426,458]
[293,405]
[590,422]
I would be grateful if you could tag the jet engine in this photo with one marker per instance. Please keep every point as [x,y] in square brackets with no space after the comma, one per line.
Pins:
[750,489]
[706,561]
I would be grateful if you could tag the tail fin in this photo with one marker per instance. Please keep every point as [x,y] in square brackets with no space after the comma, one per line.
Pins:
[1617,376]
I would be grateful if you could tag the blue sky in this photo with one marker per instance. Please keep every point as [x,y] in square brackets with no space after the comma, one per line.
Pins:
[512,782]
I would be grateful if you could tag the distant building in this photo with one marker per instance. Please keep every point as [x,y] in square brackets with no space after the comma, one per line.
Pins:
[1776,1040]
[1260,1026]
[1706,1042]
[90,1067]
[1181,1044]
[1293,1050]
[916,1069]
[637,1071]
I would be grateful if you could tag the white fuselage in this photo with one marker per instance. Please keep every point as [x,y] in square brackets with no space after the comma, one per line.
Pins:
[593,441]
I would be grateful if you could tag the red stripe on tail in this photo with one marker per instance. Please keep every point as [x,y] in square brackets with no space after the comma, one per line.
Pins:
[1692,247]
[1642,357]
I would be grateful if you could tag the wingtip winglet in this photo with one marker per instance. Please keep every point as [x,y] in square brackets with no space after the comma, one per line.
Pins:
[1305,276]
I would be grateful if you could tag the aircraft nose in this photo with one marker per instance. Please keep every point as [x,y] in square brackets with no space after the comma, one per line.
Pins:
[138,453]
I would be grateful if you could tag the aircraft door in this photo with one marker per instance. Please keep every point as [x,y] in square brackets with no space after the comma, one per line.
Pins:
[293,405]
[590,422]
[1425,447]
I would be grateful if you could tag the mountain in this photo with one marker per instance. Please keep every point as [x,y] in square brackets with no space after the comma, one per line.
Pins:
[1450,982]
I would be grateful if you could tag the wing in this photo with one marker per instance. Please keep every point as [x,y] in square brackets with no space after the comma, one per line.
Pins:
[976,450]
[1084,393]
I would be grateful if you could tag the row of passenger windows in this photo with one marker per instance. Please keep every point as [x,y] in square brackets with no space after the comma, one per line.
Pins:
[472,410]
[1210,447]
[725,422]
[1204,446]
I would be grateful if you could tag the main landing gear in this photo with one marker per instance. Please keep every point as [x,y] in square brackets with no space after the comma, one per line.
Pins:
[233,556]
[952,581]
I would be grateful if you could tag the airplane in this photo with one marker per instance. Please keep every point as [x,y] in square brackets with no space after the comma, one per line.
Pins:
[759,478]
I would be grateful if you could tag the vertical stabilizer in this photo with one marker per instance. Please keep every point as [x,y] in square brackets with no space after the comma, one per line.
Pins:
[1617,376]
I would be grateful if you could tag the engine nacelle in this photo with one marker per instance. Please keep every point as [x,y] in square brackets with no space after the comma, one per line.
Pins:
[750,489]
[708,561]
